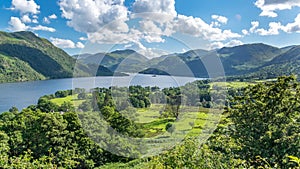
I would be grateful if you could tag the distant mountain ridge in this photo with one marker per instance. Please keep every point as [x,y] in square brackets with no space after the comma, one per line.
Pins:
[244,61]
[25,56]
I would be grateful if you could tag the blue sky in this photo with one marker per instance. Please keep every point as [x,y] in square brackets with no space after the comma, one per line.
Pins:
[155,27]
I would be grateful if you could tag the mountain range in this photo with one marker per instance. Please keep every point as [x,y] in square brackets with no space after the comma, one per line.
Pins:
[25,56]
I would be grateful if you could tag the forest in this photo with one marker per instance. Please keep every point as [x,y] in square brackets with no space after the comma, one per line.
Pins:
[254,125]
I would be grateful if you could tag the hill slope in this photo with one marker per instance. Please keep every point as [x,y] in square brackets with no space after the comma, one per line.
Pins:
[120,60]
[33,58]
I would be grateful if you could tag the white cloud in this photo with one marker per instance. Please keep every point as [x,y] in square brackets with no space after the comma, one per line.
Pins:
[34,21]
[220,19]
[16,24]
[80,45]
[219,45]
[105,22]
[53,16]
[245,32]
[50,17]
[89,16]
[274,28]
[83,38]
[159,10]
[198,28]
[46,20]
[254,25]
[269,7]
[26,19]
[25,6]
[293,27]
[66,43]
[42,28]
[107,36]
[152,32]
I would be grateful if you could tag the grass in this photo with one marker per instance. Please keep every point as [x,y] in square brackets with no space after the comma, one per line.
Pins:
[231,84]
[192,122]
[73,99]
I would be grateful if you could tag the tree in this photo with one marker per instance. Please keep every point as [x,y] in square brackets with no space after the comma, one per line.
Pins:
[170,128]
[67,107]
[266,120]
[82,96]
[47,106]
[85,106]
[13,109]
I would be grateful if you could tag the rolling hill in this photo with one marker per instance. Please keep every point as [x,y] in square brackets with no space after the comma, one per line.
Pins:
[120,60]
[25,56]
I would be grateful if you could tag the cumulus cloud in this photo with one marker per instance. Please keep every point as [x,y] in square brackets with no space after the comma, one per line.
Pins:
[62,43]
[80,45]
[152,31]
[42,28]
[83,38]
[53,16]
[46,20]
[220,19]
[15,24]
[245,32]
[25,6]
[294,26]
[66,43]
[26,19]
[105,22]
[274,28]
[254,25]
[269,7]
[90,16]
[197,27]
[158,10]
[50,17]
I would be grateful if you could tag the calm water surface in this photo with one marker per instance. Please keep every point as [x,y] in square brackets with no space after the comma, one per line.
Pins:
[24,94]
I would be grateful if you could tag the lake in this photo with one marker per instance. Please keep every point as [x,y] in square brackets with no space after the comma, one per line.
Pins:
[24,94]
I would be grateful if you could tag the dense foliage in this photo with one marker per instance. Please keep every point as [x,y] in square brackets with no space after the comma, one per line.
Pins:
[259,129]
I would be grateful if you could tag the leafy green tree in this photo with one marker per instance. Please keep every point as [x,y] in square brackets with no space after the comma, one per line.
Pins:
[266,121]
[170,128]
[82,96]
[67,107]
[47,106]
[85,106]
[13,109]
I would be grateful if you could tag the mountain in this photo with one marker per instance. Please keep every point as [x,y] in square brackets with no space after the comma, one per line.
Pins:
[120,60]
[25,56]
[249,60]
[284,64]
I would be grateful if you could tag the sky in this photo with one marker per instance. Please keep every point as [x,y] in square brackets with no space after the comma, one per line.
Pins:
[154,27]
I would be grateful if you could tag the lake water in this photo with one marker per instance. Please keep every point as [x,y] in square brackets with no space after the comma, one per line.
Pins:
[24,94]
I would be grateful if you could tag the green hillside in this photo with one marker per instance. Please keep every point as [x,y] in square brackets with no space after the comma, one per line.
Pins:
[14,69]
[25,56]
[120,60]
[39,53]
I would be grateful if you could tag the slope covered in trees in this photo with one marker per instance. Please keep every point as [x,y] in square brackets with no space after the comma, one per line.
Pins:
[36,58]
[260,128]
